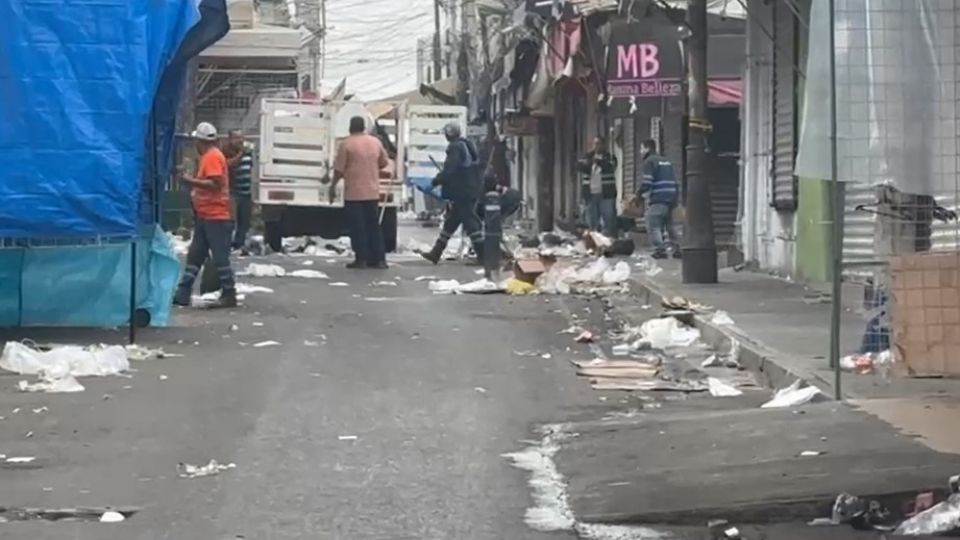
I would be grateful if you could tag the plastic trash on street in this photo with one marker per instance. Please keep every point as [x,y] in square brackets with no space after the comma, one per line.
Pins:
[719,388]
[199,471]
[668,332]
[792,396]
[941,519]
[263,270]
[62,360]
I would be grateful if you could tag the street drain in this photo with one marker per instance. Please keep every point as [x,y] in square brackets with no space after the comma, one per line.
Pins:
[9,514]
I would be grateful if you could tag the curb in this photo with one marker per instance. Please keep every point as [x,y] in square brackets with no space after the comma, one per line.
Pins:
[755,356]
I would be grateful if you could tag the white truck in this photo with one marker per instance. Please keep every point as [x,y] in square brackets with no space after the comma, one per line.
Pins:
[298,141]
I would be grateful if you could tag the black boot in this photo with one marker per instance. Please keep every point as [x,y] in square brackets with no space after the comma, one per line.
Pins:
[227,300]
[434,254]
[182,298]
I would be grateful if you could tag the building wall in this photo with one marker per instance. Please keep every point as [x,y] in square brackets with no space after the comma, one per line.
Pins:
[767,236]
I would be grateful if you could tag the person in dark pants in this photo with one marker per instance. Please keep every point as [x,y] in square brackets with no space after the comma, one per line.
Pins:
[659,186]
[213,225]
[360,158]
[598,188]
[240,159]
[461,184]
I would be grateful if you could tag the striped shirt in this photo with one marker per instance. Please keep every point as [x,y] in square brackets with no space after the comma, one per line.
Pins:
[241,174]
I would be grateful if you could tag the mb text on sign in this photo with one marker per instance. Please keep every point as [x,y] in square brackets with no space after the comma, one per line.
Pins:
[644,61]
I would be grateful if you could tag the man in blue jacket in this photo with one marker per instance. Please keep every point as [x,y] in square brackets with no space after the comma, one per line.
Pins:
[461,184]
[659,186]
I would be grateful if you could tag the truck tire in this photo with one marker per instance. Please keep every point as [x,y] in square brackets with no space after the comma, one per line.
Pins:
[388,227]
[273,235]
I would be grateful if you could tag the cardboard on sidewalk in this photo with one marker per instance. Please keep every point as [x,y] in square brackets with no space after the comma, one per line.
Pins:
[926,313]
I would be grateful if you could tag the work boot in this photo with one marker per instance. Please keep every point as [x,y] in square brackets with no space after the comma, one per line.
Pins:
[227,300]
[433,255]
[677,254]
[182,298]
[659,255]
[356,265]
[382,265]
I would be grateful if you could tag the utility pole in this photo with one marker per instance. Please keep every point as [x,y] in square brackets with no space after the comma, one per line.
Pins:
[699,246]
[463,56]
[437,58]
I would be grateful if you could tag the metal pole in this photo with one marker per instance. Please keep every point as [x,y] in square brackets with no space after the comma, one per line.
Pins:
[699,248]
[133,292]
[492,232]
[437,60]
[837,193]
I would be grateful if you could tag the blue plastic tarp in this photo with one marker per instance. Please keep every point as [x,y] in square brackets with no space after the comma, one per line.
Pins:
[51,286]
[77,86]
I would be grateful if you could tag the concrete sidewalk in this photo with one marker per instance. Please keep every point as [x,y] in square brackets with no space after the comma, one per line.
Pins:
[784,331]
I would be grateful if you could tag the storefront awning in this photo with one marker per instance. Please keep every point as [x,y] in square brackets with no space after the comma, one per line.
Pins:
[725,93]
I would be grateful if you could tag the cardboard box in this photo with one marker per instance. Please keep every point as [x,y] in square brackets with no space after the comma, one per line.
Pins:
[528,270]
[926,313]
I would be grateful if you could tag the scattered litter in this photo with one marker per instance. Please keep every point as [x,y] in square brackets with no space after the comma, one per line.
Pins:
[792,396]
[199,471]
[384,284]
[864,364]
[139,353]
[339,284]
[234,328]
[481,389]
[425,278]
[247,288]
[546,356]
[811,453]
[585,337]
[348,437]
[60,361]
[307,263]
[668,332]
[516,287]
[679,303]
[721,318]
[20,460]
[730,360]
[263,344]
[618,274]
[309,274]
[258,324]
[860,514]
[528,354]
[452,286]
[164,377]
[943,518]
[111,517]
[622,349]
[41,410]
[52,384]
[379,299]
[308,343]
[263,270]
[720,388]
[648,266]
[28,435]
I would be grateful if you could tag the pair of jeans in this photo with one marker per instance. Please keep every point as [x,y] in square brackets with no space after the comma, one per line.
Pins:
[601,214]
[210,238]
[463,213]
[243,215]
[659,225]
[366,237]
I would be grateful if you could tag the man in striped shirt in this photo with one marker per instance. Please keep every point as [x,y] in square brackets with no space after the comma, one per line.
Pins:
[659,186]
[240,160]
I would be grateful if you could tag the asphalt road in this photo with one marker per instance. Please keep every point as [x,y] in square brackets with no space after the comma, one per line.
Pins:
[382,418]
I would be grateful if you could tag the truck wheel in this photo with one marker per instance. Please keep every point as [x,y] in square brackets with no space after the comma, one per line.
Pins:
[273,235]
[388,228]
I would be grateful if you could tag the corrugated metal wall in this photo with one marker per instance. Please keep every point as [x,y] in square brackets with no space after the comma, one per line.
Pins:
[725,195]
[859,228]
[784,107]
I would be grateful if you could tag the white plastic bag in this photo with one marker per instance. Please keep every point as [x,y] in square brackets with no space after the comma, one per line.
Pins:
[668,332]
[263,270]
[792,396]
[617,275]
[60,361]
[309,274]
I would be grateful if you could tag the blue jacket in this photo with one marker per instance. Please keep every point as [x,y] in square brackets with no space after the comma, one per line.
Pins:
[658,182]
[460,177]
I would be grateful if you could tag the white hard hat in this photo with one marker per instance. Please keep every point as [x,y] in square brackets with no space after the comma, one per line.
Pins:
[205,131]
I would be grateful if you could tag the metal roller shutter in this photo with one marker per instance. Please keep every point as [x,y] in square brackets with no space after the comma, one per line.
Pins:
[630,158]
[859,228]
[784,108]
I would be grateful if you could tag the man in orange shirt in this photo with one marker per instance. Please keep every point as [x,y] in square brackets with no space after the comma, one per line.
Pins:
[213,225]
[359,160]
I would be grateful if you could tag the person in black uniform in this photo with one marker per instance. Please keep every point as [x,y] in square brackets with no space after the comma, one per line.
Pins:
[460,184]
